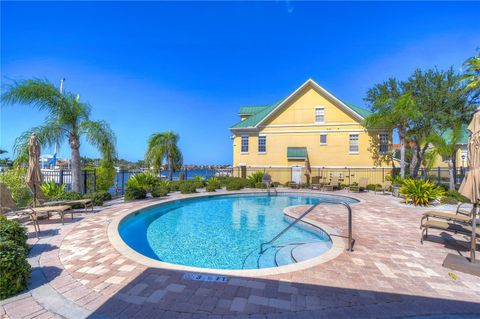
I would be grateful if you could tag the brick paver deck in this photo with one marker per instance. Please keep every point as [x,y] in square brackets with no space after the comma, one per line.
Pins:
[389,274]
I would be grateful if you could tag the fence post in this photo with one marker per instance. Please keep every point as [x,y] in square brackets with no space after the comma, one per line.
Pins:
[94,180]
[349,176]
[438,175]
[383,174]
[85,181]
[123,182]
[60,178]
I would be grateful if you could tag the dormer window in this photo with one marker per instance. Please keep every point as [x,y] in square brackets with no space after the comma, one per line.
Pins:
[319,115]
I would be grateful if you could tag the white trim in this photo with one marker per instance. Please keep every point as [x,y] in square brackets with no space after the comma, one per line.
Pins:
[307,125]
[314,131]
[343,167]
[322,90]
[244,153]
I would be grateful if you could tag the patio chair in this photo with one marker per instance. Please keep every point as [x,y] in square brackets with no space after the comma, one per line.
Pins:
[85,203]
[362,185]
[447,227]
[315,183]
[7,205]
[385,186]
[294,184]
[460,215]
[334,184]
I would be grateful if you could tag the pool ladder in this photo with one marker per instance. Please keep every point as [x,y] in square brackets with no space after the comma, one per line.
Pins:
[350,239]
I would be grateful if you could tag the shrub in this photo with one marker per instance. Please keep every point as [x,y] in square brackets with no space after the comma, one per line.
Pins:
[145,180]
[52,189]
[371,187]
[67,196]
[213,183]
[260,185]
[14,179]
[200,181]
[96,198]
[11,230]
[420,192]
[235,185]
[174,186]
[188,187]
[133,193]
[453,197]
[105,176]
[159,191]
[211,188]
[255,178]
[14,269]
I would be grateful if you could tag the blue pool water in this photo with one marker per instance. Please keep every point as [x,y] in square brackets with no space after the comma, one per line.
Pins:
[216,231]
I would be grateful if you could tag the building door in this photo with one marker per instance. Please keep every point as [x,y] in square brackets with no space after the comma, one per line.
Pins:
[297,174]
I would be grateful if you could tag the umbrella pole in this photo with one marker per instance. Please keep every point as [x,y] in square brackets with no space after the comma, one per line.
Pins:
[474,233]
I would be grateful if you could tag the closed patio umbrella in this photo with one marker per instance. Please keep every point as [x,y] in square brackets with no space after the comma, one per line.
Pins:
[34,176]
[308,170]
[470,187]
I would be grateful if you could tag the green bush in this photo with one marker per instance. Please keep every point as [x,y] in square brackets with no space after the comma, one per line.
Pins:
[453,197]
[145,180]
[67,196]
[200,181]
[105,176]
[14,269]
[52,189]
[235,184]
[133,193]
[254,179]
[260,185]
[420,192]
[213,183]
[174,186]
[211,188]
[188,187]
[11,230]
[159,191]
[371,187]
[97,198]
[14,179]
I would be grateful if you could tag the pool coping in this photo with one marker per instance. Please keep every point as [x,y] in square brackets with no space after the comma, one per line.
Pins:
[338,244]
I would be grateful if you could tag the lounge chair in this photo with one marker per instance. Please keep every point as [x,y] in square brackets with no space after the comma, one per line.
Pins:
[315,183]
[460,216]
[362,185]
[385,186]
[294,184]
[448,227]
[85,203]
[7,205]
[334,184]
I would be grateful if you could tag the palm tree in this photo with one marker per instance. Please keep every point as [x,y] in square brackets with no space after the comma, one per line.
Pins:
[164,146]
[472,74]
[392,109]
[2,151]
[67,119]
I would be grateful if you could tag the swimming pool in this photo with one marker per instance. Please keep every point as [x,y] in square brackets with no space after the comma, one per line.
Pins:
[225,231]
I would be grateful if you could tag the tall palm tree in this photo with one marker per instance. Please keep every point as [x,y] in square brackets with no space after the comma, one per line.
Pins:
[392,109]
[68,119]
[164,146]
[472,74]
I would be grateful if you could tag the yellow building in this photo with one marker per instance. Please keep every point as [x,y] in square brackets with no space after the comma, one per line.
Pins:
[310,124]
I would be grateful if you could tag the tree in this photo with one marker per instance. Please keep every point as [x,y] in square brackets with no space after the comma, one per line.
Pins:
[392,109]
[164,146]
[68,119]
[446,145]
[472,75]
[440,100]
[2,151]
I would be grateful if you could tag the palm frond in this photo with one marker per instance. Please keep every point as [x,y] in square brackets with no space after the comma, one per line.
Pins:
[100,135]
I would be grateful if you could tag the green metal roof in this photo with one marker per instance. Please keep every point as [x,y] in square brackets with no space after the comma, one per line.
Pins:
[297,152]
[250,110]
[258,113]
[464,136]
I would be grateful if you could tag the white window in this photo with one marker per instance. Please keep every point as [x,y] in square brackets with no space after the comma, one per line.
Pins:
[319,115]
[353,147]
[383,145]
[323,139]
[262,144]
[244,144]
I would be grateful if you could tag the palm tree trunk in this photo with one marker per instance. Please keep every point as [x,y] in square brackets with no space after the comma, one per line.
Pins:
[401,133]
[450,173]
[76,169]
[170,167]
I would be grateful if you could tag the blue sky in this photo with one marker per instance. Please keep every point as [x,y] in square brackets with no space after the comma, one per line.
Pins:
[187,67]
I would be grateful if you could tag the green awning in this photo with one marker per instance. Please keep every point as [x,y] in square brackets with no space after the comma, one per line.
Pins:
[297,153]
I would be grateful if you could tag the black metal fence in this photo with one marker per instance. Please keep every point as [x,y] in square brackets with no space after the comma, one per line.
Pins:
[88,179]
[346,175]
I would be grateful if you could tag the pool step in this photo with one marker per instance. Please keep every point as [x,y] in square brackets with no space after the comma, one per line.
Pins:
[283,256]
[309,250]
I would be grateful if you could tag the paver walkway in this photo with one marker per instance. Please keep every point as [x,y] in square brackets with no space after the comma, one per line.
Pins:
[389,274]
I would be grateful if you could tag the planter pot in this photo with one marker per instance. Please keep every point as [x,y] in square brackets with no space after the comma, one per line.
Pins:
[395,191]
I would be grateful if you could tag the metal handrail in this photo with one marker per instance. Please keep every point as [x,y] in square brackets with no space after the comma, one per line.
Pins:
[350,239]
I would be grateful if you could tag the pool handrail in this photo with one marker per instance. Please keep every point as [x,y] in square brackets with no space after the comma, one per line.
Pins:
[308,211]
